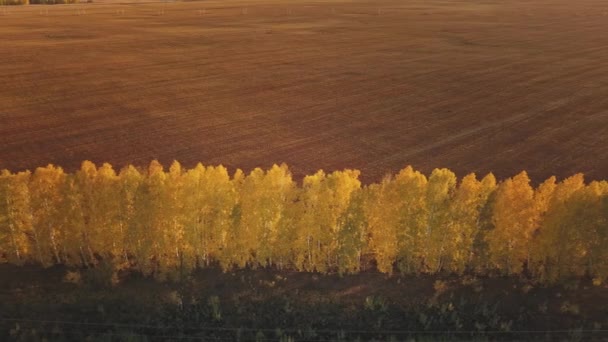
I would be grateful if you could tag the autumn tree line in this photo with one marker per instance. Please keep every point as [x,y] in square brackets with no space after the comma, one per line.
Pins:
[36,2]
[168,222]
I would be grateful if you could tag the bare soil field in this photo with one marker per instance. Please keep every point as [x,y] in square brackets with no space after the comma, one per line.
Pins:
[475,86]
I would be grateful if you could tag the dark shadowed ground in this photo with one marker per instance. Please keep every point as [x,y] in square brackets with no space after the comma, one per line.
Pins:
[310,307]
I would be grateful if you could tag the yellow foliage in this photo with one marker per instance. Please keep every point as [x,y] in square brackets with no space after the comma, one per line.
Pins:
[168,222]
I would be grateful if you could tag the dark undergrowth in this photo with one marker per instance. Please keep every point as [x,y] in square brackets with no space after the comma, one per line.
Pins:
[57,304]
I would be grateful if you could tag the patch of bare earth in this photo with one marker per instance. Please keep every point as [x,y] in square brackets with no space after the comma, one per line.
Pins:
[474,86]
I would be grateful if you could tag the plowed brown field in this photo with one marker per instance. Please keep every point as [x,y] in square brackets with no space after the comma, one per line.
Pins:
[475,86]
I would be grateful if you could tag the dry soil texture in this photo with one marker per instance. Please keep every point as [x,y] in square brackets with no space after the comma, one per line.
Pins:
[475,86]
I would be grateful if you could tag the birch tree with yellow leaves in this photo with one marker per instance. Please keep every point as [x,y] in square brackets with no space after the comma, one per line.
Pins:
[514,219]
[464,220]
[15,217]
[543,196]
[308,242]
[264,201]
[594,230]
[382,210]
[411,193]
[340,189]
[130,179]
[439,233]
[149,223]
[559,236]
[586,222]
[352,235]
[47,234]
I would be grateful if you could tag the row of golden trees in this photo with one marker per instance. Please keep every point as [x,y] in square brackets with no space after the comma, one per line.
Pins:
[162,222]
[36,2]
